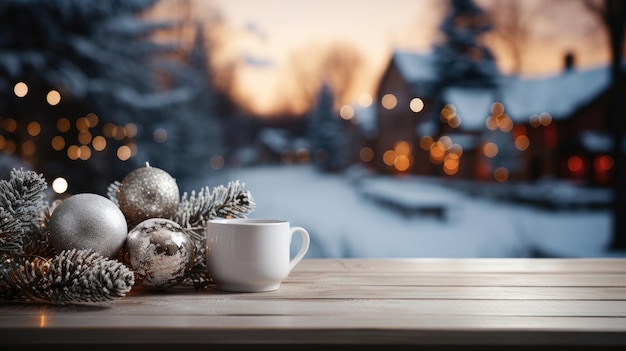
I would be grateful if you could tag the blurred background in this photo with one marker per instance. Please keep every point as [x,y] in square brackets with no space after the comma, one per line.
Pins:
[422,128]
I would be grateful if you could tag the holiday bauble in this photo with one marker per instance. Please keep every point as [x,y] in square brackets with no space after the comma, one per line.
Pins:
[88,221]
[148,192]
[159,252]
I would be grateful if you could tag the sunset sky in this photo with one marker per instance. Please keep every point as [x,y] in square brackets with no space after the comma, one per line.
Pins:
[263,35]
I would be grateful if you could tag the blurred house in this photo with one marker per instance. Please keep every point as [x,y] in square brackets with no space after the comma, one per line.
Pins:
[522,129]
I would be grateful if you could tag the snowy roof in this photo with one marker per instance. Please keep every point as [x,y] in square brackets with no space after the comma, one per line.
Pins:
[560,95]
[472,105]
[275,139]
[596,141]
[415,67]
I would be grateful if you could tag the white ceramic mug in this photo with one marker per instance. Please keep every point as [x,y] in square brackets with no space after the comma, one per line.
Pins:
[251,255]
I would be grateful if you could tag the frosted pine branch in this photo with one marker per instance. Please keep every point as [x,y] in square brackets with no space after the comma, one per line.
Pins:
[22,199]
[195,209]
[112,191]
[70,277]
[11,234]
[23,196]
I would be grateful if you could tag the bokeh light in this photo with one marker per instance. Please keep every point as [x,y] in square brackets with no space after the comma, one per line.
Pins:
[59,185]
[53,97]
[20,89]
[389,101]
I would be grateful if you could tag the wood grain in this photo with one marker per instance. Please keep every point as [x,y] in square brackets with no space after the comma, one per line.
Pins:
[358,302]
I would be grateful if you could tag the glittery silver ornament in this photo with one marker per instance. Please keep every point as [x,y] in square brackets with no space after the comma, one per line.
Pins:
[88,221]
[148,192]
[160,253]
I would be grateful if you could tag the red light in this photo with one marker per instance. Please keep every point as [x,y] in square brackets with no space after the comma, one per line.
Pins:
[575,164]
[603,163]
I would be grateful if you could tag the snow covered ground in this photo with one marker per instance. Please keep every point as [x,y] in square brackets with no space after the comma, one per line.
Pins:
[343,222]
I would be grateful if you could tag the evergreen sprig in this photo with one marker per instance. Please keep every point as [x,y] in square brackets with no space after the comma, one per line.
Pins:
[71,276]
[22,204]
[11,234]
[195,209]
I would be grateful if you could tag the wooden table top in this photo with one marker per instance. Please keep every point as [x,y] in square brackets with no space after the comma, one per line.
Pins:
[430,303]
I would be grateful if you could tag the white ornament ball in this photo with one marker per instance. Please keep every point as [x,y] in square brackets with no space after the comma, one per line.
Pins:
[88,221]
[148,192]
[160,253]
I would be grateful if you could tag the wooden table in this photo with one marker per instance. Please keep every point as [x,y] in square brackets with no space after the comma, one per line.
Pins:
[360,304]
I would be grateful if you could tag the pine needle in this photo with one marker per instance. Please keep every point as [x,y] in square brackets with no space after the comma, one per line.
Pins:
[72,276]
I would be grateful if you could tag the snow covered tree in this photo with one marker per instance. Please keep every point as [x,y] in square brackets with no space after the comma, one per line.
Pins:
[195,126]
[461,57]
[326,134]
[87,78]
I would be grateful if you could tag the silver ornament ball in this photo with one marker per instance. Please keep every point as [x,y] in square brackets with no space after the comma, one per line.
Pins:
[160,253]
[88,221]
[148,192]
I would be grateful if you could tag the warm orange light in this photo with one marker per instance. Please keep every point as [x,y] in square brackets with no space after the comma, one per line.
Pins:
[10,125]
[58,143]
[490,150]
[389,157]
[402,148]
[130,130]
[389,101]
[505,123]
[448,112]
[366,154]
[456,149]
[455,122]
[123,153]
[501,174]
[497,109]
[92,118]
[85,152]
[99,143]
[451,164]
[426,141]
[84,137]
[63,124]
[28,148]
[402,163]
[522,142]
[73,152]
[82,124]
[108,130]
[33,128]
[491,123]
[545,119]
[534,121]
[53,97]
[437,150]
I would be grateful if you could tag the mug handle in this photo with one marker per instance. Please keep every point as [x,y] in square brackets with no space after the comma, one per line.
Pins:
[303,249]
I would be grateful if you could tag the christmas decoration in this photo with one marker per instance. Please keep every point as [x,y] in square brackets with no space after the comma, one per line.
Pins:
[88,221]
[160,253]
[69,277]
[32,269]
[147,192]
